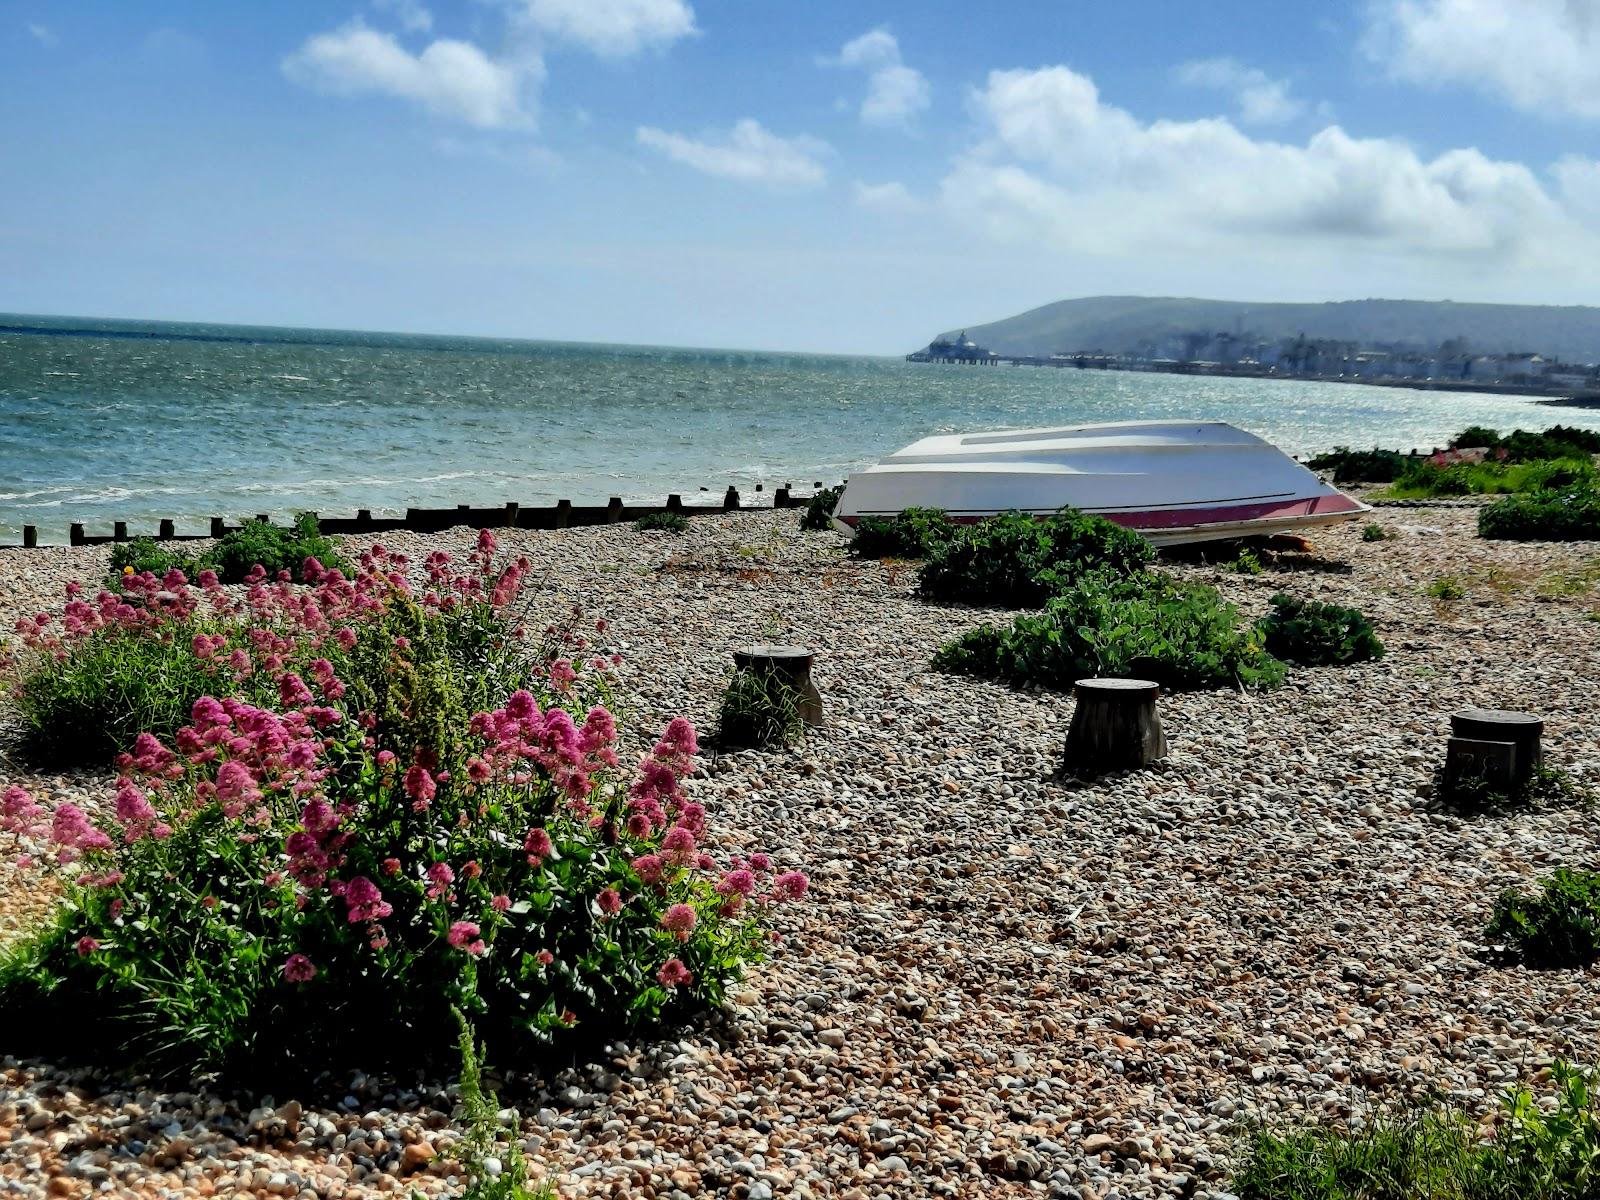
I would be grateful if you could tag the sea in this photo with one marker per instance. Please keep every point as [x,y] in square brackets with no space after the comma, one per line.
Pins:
[107,420]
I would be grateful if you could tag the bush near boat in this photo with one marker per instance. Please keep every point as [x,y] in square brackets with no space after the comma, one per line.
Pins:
[818,516]
[429,819]
[1315,634]
[1020,561]
[1561,515]
[914,533]
[1542,1148]
[1144,624]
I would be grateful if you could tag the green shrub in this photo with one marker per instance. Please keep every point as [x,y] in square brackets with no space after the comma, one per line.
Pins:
[1315,634]
[1373,532]
[1538,1152]
[1146,625]
[666,522]
[1423,479]
[1361,466]
[1557,926]
[914,533]
[1546,787]
[273,547]
[325,881]
[1018,561]
[1564,515]
[1446,587]
[148,555]
[819,509]
[759,709]
[1248,562]
[1475,436]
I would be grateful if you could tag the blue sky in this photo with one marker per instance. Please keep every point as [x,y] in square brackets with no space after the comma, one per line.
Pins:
[756,173]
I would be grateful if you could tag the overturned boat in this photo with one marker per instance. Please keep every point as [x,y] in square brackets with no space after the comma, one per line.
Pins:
[1174,481]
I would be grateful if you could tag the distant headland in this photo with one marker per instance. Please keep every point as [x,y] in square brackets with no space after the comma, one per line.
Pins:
[1532,349]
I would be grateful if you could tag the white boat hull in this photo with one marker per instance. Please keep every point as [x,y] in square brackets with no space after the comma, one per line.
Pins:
[1176,482]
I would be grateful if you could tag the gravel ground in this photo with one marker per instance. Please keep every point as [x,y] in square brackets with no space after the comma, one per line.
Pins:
[1001,984]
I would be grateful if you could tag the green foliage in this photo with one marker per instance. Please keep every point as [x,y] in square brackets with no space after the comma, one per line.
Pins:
[1312,633]
[1546,787]
[1557,926]
[1425,480]
[217,929]
[819,509]
[1018,561]
[759,709]
[1559,515]
[1373,532]
[1475,436]
[275,548]
[481,1112]
[1522,445]
[1538,1152]
[913,533]
[1361,466]
[666,522]
[1247,563]
[146,554]
[1446,588]
[1144,625]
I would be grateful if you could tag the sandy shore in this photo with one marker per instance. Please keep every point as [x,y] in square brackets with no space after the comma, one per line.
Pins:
[1001,985]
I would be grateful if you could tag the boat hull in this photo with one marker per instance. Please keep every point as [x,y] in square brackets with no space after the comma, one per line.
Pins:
[1174,482]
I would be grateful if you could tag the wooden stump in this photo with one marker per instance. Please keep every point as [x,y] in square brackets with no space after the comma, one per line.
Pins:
[789,666]
[1115,726]
[1500,747]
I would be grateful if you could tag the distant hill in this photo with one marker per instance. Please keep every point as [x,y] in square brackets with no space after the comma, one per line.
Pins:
[1134,324]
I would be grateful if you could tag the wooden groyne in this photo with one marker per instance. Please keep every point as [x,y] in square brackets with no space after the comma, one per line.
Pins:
[563,514]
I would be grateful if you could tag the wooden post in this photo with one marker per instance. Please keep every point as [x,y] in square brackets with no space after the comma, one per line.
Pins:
[512,509]
[75,533]
[613,510]
[789,666]
[167,529]
[563,513]
[264,518]
[30,537]
[1115,726]
[219,527]
[674,503]
[364,516]
[119,531]
[759,486]
[1500,747]
[780,498]
[731,500]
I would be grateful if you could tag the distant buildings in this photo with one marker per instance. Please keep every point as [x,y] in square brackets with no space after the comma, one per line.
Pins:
[960,349]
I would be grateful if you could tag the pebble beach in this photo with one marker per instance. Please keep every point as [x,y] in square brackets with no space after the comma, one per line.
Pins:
[1002,983]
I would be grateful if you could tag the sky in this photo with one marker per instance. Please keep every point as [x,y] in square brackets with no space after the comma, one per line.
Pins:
[836,175]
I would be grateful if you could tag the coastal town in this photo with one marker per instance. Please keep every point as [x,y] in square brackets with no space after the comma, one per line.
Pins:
[1453,364]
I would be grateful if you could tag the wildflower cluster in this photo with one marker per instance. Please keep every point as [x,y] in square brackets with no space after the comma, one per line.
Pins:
[311,863]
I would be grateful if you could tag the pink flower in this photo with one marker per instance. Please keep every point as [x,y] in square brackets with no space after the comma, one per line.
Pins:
[791,885]
[297,968]
[365,901]
[521,706]
[545,958]
[537,845]
[673,972]
[680,737]
[737,883]
[760,862]
[87,946]
[391,866]
[419,786]
[648,867]
[292,691]
[500,903]
[679,919]
[71,830]
[610,902]
[463,935]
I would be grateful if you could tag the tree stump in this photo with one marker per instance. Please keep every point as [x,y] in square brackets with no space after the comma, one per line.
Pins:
[1503,748]
[1115,726]
[789,666]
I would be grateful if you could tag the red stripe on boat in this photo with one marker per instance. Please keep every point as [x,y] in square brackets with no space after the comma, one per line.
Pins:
[1183,518]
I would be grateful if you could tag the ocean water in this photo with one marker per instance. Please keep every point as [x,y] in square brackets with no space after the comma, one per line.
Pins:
[135,421]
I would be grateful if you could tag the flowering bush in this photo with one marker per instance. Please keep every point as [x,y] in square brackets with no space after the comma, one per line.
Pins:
[429,814]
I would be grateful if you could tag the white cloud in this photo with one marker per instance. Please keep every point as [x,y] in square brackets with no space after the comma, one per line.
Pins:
[1542,56]
[43,35]
[890,198]
[749,154]
[1061,166]
[1579,181]
[413,17]
[612,28]
[1262,100]
[896,93]
[448,78]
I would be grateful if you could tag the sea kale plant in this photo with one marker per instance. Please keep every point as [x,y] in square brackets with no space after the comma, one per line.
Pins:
[1316,634]
[913,533]
[1019,561]
[390,806]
